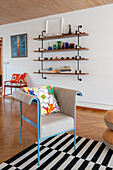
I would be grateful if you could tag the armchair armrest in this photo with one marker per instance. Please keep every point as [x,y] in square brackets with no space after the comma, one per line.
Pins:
[67,100]
[24,97]
[7,81]
[30,100]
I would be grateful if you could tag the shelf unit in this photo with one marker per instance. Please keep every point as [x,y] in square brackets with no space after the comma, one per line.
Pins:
[81,34]
[60,59]
[60,50]
[78,48]
[61,73]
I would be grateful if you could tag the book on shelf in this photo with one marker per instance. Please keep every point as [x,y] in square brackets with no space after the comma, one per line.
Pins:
[64,70]
[48,70]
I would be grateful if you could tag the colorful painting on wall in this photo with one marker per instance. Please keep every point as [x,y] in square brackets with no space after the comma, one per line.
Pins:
[19,45]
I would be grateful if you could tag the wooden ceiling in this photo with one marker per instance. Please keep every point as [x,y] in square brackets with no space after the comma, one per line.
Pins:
[19,10]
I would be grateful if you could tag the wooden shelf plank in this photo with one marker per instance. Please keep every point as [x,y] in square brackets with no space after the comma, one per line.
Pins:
[70,49]
[62,36]
[61,73]
[60,59]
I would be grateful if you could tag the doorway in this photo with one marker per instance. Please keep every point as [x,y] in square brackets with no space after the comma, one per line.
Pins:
[1,73]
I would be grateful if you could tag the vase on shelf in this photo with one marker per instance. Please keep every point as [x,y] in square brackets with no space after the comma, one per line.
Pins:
[58,44]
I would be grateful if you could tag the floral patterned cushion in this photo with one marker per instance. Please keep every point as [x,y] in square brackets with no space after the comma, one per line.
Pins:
[46,97]
[30,90]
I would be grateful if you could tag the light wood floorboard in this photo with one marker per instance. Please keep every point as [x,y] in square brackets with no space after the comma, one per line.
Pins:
[90,124]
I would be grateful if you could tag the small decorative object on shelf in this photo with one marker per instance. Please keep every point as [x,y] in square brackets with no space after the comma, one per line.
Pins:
[66,45]
[56,58]
[54,47]
[77,46]
[73,57]
[54,26]
[58,44]
[67,57]
[70,29]
[68,32]
[49,46]
[62,58]
[46,58]
[63,44]
[78,57]
[75,71]
[51,58]
[72,45]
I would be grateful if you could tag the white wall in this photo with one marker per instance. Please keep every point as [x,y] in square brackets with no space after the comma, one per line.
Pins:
[97,87]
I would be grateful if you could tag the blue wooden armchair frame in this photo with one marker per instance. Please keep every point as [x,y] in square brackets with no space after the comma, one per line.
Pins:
[35,100]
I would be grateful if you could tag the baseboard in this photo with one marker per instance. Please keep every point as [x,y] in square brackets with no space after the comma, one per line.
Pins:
[95,105]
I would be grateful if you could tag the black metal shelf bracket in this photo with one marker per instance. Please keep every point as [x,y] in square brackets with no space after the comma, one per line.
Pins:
[78,46]
[42,53]
[44,31]
[43,76]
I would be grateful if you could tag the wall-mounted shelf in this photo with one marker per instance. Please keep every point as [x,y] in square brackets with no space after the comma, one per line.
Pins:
[60,50]
[60,59]
[77,48]
[60,73]
[61,36]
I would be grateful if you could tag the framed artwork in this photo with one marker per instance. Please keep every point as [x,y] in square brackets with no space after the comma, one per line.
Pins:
[19,45]
[54,26]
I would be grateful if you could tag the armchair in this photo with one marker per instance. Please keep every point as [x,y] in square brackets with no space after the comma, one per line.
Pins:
[49,125]
[13,85]
[17,81]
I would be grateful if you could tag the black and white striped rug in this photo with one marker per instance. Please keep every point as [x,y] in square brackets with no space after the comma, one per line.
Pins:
[58,153]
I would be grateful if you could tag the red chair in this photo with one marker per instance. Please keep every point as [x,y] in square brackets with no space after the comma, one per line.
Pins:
[17,81]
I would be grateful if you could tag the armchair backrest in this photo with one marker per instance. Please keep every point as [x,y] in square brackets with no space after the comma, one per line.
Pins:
[66,100]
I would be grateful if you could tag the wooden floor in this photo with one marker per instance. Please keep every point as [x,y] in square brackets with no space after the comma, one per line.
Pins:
[90,124]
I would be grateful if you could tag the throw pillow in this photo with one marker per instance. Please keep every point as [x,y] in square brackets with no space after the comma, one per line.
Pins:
[50,89]
[14,78]
[30,90]
[22,78]
[18,78]
[46,97]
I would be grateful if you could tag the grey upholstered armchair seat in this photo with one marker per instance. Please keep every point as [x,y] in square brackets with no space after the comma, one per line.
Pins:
[56,123]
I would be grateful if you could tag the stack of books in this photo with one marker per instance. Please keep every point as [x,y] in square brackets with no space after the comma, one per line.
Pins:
[65,69]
